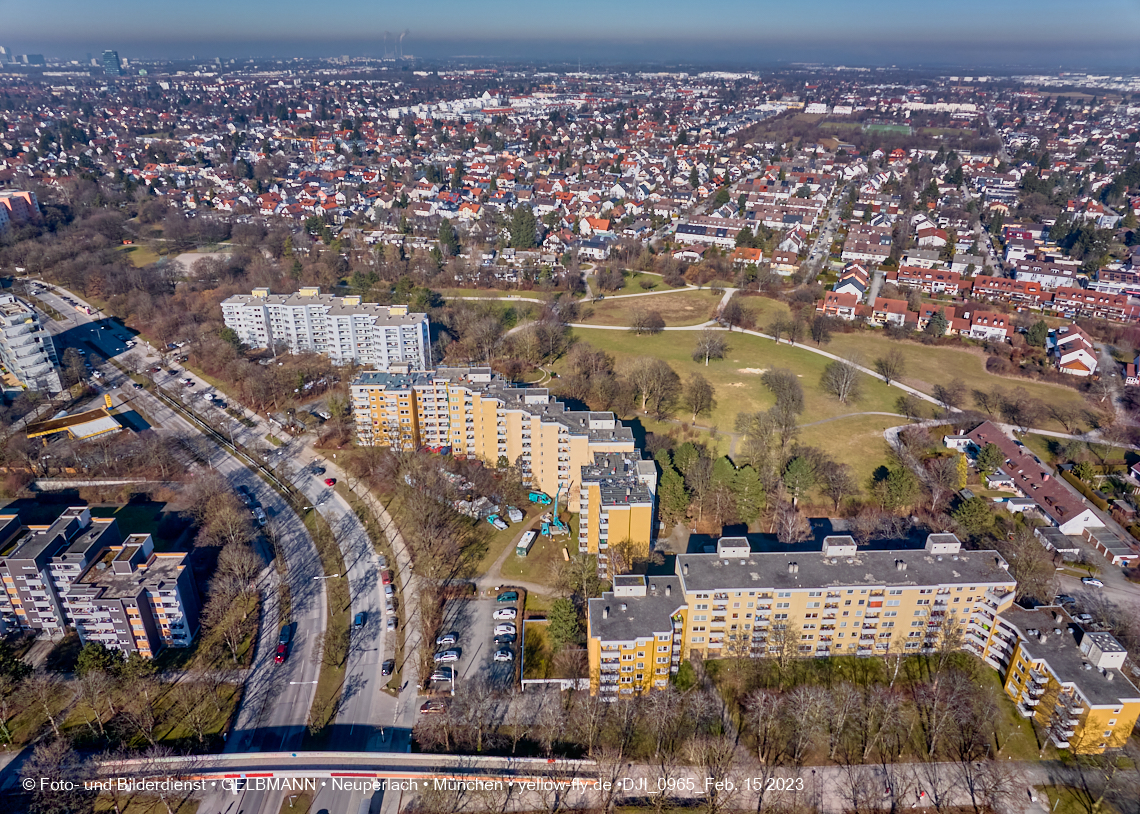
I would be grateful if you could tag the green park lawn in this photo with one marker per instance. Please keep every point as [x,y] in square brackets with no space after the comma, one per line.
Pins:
[736,378]
[633,280]
[682,307]
[140,255]
[928,365]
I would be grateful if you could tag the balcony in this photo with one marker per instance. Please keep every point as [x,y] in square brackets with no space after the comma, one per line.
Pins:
[1024,711]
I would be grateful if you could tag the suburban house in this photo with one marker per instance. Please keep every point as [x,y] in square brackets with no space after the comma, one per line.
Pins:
[988,326]
[885,311]
[841,305]
[1072,351]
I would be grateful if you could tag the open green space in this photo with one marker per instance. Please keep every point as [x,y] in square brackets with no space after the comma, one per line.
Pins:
[737,376]
[930,365]
[492,293]
[140,255]
[683,307]
[1069,800]
[840,126]
[903,129]
[632,284]
[856,441]
[508,537]
[537,566]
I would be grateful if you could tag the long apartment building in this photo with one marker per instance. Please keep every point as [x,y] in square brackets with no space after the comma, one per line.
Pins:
[79,571]
[1066,677]
[345,329]
[836,600]
[27,352]
[588,457]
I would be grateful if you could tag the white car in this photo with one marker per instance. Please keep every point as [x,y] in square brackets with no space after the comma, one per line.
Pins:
[505,613]
[447,657]
[1093,582]
[506,627]
[504,655]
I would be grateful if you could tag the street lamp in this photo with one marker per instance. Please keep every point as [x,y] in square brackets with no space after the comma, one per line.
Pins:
[452,666]
[328,576]
[302,682]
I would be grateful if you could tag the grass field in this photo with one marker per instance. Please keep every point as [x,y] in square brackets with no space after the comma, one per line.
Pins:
[685,307]
[140,255]
[737,377]
[492,293]
[856,441]
[633,280]
[903,129]
[928,365]
[546,551]
[840,126]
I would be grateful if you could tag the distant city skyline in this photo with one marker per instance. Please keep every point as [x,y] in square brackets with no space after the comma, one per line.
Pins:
[1044,34]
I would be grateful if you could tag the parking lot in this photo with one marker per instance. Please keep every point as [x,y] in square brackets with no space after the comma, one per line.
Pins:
[473,620]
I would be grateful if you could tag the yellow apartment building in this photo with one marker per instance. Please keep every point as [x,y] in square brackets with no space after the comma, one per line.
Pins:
[474,412]
[838,600]
[618,491]
[1068,679]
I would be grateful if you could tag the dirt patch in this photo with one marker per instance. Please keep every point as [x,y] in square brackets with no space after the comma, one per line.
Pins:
[755,371]
[735,384]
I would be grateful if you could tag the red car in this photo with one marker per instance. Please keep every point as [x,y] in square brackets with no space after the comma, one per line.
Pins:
[386,577]
[282,652]
[330,481]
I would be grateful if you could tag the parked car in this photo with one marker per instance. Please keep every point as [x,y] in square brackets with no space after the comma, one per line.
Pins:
[497,522]
[282,653]
[446,657]
[137,386]
[433,707]
[330,481]
[505,613]
[391,624]
[442,675]
[387,667]
[358,621]
[505,627]
[447,639]
[383,561]
[389,590]
[318,470]
[1092,582]
[386,577]
[1063,599]
[390,605]
[283,640]
[505,638]
[504,655]
[508,596]
[259,513]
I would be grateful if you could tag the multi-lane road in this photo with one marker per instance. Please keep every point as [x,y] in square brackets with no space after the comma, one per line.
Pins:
[274,710]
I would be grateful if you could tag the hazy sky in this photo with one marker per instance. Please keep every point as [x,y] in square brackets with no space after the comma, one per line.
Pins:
[1042,32]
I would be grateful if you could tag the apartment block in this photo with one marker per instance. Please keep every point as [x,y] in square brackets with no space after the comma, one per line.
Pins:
[346,330]
[27,352]
[836,600]
[475,413]
[617,495]
[80,572]
[136,600]
[1067,678]
[39,564]
[18,206]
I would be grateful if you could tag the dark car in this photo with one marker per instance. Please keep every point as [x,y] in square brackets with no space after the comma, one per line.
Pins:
[508,596]
[387,667]
[505,638]
[433,707]
[358,621]
[318,470]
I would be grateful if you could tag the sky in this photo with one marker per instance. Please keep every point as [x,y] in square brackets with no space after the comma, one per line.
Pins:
[1015,33]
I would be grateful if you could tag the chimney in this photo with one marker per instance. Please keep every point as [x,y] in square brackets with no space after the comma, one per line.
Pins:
[1042,637]
[668,590]
[685,569]
[606,612]
[624,606]
[791,568]
[1109,675]
[1058,618]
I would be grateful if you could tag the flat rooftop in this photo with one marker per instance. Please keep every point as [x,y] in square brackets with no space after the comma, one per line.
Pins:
[709,572]
[1062,652]
[125,586]
[642,616]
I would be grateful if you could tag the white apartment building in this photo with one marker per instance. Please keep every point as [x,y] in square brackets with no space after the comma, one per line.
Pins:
[345,329]
[27,352]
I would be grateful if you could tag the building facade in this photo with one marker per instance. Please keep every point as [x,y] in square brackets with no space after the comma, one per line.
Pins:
[136,600]
[838,600]
[473,412]
[345,329]
[27,351]
[80,572]
[1067,678]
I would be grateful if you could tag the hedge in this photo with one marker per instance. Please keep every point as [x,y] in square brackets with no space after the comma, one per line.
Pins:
[1083,488]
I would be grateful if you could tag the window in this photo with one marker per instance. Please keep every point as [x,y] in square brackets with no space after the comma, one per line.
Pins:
[813,604]
[781,616]
[843,624]
[783,593]
[892,603]
[847,601]
[1112,722]
[783,604]
[891,613]
[698,639]
[898,592]
[815,593]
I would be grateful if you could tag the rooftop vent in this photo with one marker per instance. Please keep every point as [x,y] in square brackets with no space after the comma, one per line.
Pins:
[668,590]
[685,569]
[606,612]
[793,568]
[1057,630]
[624,606]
